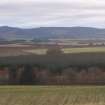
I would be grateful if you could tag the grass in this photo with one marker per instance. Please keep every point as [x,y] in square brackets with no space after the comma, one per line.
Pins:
[84,50]
[36,51]
[52,95]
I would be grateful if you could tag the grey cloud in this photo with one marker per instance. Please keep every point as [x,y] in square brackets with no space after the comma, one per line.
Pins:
[40,14]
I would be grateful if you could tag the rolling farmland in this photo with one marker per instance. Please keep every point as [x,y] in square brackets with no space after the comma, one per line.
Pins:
[69,50]
[52,95]
[38,55]
[21,50]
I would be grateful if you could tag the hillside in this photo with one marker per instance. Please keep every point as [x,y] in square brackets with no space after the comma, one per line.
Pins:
[51,32]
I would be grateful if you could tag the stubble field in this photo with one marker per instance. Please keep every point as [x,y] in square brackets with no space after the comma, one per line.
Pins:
[52,95]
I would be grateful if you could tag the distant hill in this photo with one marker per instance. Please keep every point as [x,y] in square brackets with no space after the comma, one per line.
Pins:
[51,32]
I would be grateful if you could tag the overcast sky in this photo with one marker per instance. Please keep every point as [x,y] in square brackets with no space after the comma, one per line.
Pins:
[50,13]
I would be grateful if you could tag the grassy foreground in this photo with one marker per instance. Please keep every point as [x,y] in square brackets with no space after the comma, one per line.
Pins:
[52,95]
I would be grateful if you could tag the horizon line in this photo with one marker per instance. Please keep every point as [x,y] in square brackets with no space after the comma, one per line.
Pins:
[51,27]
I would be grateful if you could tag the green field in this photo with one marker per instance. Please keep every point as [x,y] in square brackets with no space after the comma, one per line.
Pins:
[52,95]
[84,50]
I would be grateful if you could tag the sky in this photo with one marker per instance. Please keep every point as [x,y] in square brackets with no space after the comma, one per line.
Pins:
[52,13]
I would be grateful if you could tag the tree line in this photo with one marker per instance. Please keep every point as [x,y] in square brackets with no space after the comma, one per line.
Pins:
[36,75]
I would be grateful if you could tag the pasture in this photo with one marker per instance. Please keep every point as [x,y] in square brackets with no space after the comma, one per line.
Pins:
[84,50]
[52,95]
[36,51]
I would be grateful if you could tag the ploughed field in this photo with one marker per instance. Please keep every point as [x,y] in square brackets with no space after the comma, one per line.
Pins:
[52,95]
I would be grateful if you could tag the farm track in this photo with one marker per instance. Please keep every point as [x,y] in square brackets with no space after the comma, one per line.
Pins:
[52,95]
